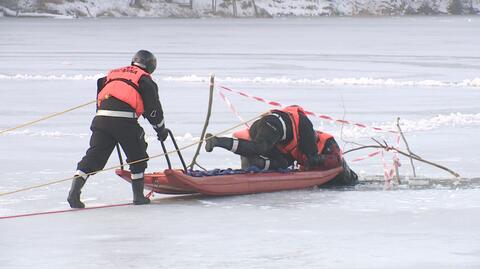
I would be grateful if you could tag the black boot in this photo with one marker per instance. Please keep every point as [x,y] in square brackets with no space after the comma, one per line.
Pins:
[213,141]
[74,194]
[209,142]
[138,197]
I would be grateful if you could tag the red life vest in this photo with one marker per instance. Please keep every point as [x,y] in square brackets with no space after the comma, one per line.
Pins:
[242,134]
[292,146]
[122,83]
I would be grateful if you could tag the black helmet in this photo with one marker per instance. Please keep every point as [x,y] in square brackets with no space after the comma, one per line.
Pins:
[145,60]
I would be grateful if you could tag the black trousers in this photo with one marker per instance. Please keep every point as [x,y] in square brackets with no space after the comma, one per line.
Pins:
[261,151]
[106,133]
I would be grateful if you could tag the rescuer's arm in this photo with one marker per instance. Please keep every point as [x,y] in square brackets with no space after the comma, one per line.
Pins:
[308,138]
[100,85]
[148,89]
[331,154]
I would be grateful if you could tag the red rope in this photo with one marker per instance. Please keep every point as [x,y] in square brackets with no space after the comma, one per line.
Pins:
[149,194]
[62,211]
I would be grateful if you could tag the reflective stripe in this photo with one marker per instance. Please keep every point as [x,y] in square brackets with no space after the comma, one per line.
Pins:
[137,176]
[234,145]
[284,126]
[267,163]
[157,126]
[120,114]
[81,173]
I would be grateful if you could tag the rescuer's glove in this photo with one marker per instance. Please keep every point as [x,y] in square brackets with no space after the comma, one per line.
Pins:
[162,134]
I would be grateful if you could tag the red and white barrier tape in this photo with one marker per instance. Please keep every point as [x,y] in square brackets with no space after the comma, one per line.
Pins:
[366,156]
[387,174]
[324,117]
[232,108]
[390,173]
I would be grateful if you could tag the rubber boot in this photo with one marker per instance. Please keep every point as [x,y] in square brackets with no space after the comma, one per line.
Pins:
[138,197]
[209,142]
[74,194]
[213,141]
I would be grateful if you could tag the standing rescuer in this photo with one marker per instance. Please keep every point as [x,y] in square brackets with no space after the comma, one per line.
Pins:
[122,96]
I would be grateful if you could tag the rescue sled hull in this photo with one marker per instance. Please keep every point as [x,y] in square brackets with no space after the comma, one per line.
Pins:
[176,182]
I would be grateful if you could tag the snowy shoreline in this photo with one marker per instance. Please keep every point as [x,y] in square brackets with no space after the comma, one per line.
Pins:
[234,8]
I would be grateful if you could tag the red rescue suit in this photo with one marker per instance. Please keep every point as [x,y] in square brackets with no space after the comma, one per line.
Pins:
[122,83]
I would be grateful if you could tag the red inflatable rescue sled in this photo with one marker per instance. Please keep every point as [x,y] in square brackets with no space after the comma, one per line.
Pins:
[173,181]
[177,182]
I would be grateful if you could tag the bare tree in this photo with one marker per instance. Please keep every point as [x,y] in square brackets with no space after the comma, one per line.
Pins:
[455,7]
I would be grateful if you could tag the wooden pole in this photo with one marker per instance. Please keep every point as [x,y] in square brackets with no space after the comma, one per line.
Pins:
[406,144]
[207,120]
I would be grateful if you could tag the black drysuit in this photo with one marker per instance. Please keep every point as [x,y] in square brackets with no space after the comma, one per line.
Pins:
[268,132]
[107,131]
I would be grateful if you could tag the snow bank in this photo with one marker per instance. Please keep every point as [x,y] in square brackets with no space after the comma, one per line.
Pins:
[242,8]
[50,77]
[6,12]
[361,81]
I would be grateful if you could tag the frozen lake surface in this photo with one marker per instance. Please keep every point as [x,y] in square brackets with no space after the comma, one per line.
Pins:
[425,70]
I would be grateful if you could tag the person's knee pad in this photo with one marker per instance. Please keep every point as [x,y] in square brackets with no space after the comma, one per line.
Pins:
[264,163]
[245,162]
[258,161]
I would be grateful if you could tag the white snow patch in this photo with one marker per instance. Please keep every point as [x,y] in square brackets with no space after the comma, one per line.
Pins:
[50,77]
[427,124]
[361,81]
[51,134]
